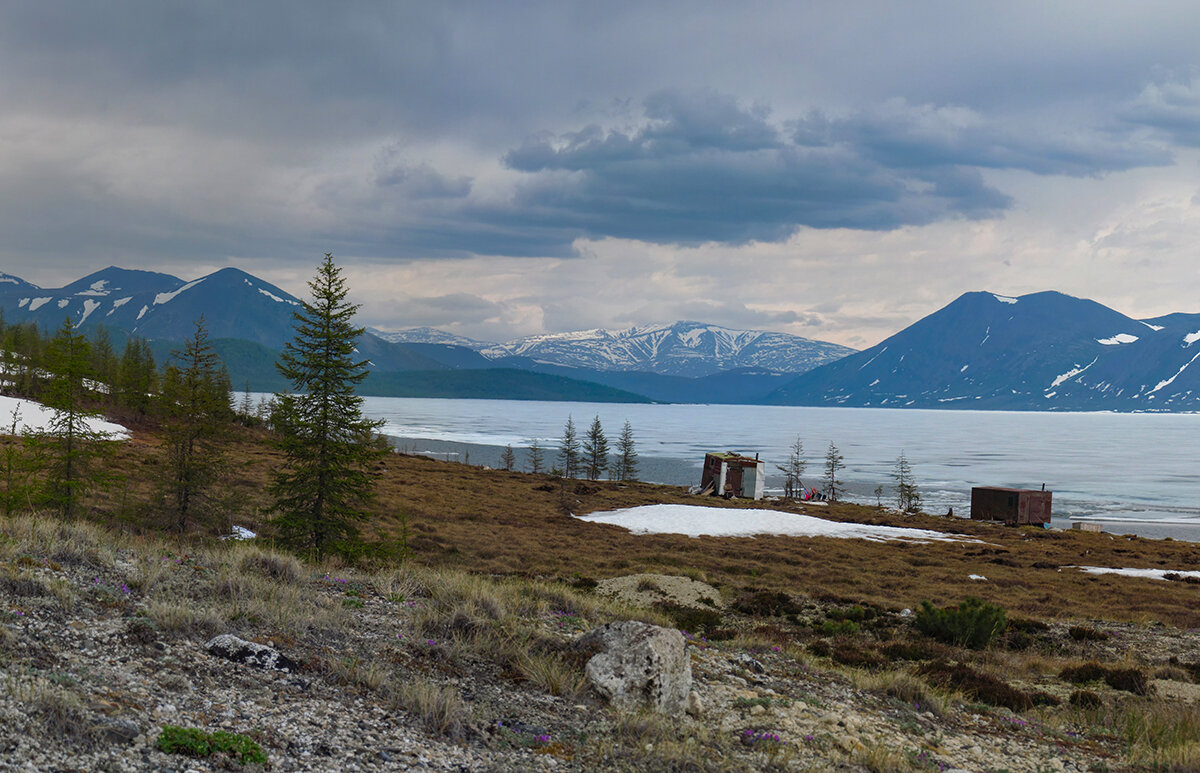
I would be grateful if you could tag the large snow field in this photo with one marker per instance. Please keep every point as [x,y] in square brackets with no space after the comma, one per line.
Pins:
[35,417]
[701,521]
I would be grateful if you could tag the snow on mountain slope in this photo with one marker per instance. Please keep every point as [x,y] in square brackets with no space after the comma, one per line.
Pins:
[692,349]
[430,335]
[1045,351]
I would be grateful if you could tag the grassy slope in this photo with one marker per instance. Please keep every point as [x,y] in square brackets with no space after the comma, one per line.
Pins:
[516,523]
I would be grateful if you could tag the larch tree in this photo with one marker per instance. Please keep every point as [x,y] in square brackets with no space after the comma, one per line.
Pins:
[595,451]
[833,464]
[627,457]
[536,457]
[196,409]
[908,498]
[68,444]
[793,470]
[508,458]
[325,482]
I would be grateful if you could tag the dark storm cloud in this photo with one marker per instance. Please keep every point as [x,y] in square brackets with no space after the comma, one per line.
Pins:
[702,168]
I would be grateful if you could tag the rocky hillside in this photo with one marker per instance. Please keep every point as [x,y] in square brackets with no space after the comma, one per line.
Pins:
[104,641]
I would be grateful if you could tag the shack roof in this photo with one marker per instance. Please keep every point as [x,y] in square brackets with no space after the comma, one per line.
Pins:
[1010,490]
[733,456]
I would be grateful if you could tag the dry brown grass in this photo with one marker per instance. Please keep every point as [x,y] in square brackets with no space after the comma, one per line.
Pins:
[496,522]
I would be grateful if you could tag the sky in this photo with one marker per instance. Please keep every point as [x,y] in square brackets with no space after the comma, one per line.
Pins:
[832,170]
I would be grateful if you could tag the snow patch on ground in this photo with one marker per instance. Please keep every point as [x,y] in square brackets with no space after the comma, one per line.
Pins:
[1155,328]
[1119,338]
[142,313]
[701,521]
[35,417]
[1191,338]
[1152,574]
[118,303]
[37,303]
[1004,298]
[62,304]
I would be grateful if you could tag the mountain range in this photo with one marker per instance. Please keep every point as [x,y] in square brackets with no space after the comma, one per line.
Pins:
[1043,351]
[249,320]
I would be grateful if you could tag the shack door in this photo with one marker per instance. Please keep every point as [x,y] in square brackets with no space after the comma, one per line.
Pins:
[1023,509]
[733,481]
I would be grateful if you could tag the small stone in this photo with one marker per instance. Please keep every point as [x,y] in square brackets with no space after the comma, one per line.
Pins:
[695,704]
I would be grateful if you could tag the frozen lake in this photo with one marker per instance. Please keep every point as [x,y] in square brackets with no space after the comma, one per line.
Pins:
[1137,472]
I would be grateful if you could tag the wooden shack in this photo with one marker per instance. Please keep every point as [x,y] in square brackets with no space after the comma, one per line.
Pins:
[730,474]
[1014,506]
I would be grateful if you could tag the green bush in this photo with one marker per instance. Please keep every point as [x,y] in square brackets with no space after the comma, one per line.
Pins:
[198,743]
[973,623]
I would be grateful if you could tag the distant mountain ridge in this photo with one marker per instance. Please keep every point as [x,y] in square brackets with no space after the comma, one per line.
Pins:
[687,349]
[1043,351]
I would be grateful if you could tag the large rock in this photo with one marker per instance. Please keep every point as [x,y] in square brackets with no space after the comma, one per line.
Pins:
[637,664]
[238,650]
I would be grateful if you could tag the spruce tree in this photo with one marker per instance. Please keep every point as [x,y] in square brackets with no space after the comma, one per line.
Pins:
[833,463]
[627,458]
[196,411]
[595,450]
[568,450]
[325,481]
[508,458]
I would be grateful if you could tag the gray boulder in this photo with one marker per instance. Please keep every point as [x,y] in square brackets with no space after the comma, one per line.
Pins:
[238,650]
[637,664]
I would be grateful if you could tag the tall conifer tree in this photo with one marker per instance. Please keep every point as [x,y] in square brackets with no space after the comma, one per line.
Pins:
[627,457]
[595,450]
[196,409]
[325,482]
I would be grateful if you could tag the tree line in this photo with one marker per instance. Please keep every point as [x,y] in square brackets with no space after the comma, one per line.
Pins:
[908,496]
[318,493]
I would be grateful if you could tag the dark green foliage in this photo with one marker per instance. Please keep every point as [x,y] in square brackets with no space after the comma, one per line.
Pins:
[595,451]
[568,450]
[68,446]
[976,685]
[196,410]
[766,604]
[137,375]
[325,481]
[194,742]
[973,623]
[855,613]
[626,465]
[1131,680]
[836,627]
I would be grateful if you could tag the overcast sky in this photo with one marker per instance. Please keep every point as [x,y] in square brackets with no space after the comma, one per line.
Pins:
[831,169]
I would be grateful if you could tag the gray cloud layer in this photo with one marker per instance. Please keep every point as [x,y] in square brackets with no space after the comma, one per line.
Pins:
[157,133]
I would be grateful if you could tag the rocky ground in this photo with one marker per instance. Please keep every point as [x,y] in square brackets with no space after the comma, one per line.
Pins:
[103,643]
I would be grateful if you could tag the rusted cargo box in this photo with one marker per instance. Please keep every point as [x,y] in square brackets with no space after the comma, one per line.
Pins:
[1014,506]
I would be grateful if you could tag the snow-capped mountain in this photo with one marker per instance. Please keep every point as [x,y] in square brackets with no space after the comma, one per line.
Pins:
[430,335]
[1044,351]
[691,349]
[159,306]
